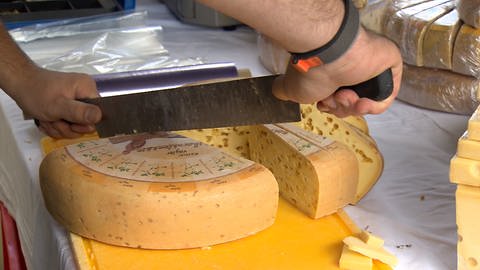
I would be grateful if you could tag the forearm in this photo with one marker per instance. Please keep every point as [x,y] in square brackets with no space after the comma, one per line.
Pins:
[14,63]
[298,26]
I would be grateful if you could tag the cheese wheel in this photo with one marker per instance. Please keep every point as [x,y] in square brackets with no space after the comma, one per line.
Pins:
[157,191]
[466,52]
[369,158]
[314,173]
[468,250]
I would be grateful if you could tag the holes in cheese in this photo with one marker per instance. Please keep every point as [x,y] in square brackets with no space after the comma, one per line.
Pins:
[467,202]
[314,173]
[369,158]
[157,191]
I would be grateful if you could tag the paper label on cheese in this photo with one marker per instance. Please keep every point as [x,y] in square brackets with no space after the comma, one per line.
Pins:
[138,158]
[304,142]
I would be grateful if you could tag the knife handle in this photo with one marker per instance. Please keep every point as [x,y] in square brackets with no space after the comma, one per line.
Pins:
[377,89]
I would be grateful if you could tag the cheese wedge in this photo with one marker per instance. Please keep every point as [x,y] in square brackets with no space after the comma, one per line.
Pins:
[369,158]
[314,173]
[378,253]
[474,125]
[439,41]
[371,240]
[351,260]
[465,171]
[468,248]
[157,191]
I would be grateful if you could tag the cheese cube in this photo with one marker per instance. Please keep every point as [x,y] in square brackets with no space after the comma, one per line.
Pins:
[439,41]
[467,203]
[465,171]
[314,173]
[351,260]
[468,149]
[378,253]
[371,239]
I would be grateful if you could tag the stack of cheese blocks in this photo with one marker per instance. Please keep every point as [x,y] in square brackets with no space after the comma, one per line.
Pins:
[441,52]
[359,252]
[465,171]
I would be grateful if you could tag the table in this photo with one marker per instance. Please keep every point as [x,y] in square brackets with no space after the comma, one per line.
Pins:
[412,206]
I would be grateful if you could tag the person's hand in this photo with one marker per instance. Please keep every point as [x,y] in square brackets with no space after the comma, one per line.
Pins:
[369,56]
[50,97]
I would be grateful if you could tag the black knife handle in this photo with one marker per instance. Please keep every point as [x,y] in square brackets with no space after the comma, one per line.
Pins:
[377,89]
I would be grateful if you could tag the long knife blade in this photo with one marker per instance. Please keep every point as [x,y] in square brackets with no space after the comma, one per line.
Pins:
[221,104]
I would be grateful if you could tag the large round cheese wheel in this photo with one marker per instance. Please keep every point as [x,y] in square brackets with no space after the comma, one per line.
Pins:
[155,192]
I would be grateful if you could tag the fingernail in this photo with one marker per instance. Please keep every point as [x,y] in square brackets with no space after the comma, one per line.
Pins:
[91,115]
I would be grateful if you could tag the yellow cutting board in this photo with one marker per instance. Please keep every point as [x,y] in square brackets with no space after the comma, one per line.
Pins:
[293,242]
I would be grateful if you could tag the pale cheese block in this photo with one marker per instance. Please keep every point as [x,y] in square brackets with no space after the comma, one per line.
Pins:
[465,171]
[369,158]
[378,253]
[474,125]
[314,173]
[351,260]
[157,191]
[439,41]
[469,12]
[466,52]
[468,247]
[467,148]
[440,90]
[233,140]
[411,47]
[397,20]
[371,240]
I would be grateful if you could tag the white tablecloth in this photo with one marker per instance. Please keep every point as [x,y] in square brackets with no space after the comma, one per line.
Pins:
[412,206]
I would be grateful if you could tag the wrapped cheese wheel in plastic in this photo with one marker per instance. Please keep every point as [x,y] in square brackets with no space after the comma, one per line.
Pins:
[439,90]
[466,52]
[469,11]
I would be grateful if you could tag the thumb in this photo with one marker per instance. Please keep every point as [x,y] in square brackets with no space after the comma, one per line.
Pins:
[76,111]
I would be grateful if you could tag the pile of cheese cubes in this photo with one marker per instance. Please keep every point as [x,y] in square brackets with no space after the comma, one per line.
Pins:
[360,252]
[465,171]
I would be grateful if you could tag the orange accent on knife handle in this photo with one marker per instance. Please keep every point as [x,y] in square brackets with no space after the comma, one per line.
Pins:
[303,65]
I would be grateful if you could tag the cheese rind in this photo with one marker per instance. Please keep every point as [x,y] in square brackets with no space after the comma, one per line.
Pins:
[351,260]
[314,173]
[369,158]
[467,202]
[185,194]
[361,247]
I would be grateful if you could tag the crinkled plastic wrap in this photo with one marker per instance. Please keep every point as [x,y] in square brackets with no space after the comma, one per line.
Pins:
[469,11]
[417,24]
[360,3]
[466,53]
[439,90]
[98,44]
[272,56]
[373,16]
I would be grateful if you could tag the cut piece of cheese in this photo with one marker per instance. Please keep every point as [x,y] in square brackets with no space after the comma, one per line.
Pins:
[439,41]
[469,149]
[468,248]
[466,52]
[233,140]
[351,260]
[369,158]
[411,47]
[465,171]
[371,240]
[469,11]
[378,253]
[398,18]
[474,125]
[358,122]
[440,90]
[314,173]
[157,191]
